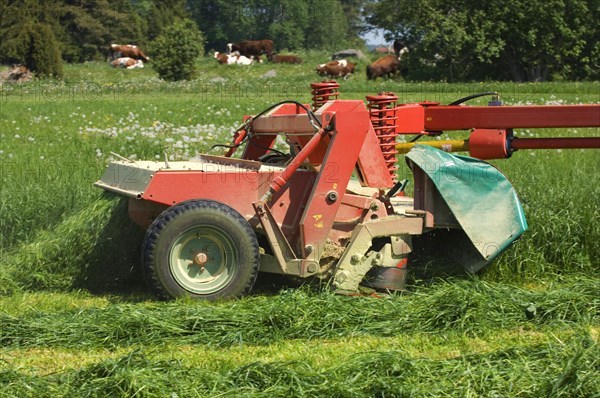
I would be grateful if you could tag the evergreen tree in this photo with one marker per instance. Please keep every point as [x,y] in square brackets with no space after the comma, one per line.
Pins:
[156,15]
[90,26]
[43,55]
[33,44]
[356,23]
[83,28]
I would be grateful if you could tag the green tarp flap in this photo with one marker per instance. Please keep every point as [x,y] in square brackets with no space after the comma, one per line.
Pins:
[483,201]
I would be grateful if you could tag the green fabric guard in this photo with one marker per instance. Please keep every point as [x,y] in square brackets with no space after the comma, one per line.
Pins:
[483,201]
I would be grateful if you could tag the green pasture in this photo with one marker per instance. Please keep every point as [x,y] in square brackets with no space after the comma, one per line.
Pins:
[75,319]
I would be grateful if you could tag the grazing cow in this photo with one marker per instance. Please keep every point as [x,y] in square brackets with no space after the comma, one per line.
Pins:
[232,59]
[250,48]
[285,59]
[336,68]
[126,62]
[127,50]
[384,66]
[399,48]
[349,53]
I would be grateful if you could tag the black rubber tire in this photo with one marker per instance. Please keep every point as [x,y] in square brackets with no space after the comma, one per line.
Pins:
[237,247]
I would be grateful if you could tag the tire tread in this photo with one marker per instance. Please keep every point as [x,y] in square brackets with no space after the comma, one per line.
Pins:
[156,229]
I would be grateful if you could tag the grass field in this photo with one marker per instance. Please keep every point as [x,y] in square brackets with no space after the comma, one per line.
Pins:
[75,319]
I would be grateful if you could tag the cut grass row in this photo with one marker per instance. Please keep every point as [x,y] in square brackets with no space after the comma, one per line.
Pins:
[93,248]
[317,352]
[554,368]
[470,307]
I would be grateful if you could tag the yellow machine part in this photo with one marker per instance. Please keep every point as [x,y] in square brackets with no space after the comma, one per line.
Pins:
[444,145]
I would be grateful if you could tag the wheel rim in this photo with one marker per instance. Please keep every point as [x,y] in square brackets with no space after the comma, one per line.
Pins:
[202,259]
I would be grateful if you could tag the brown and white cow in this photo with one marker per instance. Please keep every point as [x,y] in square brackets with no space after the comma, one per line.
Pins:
[336,68]
[285,59]
[127,50]
[384,66]
[127,62]
[250,48]
[233,59]
[224,59]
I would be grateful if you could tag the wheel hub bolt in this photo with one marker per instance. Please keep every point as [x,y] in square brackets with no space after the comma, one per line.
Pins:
[200,259]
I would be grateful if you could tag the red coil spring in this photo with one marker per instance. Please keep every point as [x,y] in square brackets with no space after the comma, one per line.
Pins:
[382,109]
[323,92]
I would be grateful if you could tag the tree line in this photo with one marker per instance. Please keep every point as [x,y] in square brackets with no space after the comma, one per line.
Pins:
[453,40]
[41,33]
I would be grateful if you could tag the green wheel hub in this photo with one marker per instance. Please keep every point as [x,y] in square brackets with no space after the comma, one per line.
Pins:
[201,249]
[202,259]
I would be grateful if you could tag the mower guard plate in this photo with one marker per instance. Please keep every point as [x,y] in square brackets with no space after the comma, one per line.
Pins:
[481,198]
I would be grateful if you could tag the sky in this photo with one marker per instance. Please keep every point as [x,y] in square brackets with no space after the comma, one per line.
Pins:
[375,37]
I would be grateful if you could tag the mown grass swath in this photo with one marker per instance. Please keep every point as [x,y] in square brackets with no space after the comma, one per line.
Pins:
[94,248]
[469,307]
[559,369]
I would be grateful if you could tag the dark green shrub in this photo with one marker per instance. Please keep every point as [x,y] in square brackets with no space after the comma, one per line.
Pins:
[36,47]
[44,54]
[175,51]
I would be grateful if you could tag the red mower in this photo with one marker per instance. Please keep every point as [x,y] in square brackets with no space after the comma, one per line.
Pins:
[331,207]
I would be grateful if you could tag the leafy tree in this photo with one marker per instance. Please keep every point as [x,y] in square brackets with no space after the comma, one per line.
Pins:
[290,21]
[327,25]
[355,21]
[175,51]
[511,39]
[555,36]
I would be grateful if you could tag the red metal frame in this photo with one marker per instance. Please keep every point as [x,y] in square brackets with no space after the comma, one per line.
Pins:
[431,117]
[442,118]
[307,202]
